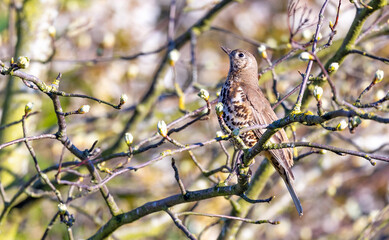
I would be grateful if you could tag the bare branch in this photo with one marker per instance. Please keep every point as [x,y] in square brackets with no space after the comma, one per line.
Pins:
[181,226]
[229,217]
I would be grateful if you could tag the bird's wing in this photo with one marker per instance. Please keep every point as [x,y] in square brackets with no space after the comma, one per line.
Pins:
[264,114]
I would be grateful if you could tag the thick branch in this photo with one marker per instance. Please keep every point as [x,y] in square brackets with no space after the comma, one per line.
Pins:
[161,205]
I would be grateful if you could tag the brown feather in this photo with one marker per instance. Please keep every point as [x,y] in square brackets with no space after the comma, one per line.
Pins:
[264,114]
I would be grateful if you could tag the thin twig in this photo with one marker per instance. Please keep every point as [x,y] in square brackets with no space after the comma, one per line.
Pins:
[247,199]
[286,96]
[309,66]
[303,155]
[328,78]
[181,226]
[337,150]
[38,169]
[177,177]
[246,220]
[32,138]
[363,53]
[114,58]
[23,188]
[18,121]
[50,225]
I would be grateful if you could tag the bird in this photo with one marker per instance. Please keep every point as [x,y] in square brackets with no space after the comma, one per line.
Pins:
[245,105]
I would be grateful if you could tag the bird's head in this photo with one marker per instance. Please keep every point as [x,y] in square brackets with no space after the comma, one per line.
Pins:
[241,60]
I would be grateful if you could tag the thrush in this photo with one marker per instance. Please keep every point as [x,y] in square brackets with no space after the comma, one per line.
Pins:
[245,105]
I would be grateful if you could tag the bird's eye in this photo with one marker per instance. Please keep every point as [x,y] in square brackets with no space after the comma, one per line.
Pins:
[241,55]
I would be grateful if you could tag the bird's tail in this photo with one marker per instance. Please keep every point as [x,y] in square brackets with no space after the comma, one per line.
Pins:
[293,194]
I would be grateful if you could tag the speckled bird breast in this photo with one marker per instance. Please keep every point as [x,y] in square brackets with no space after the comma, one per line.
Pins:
[237,112]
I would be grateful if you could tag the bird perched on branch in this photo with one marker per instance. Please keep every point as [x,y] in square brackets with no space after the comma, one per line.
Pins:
[245,105]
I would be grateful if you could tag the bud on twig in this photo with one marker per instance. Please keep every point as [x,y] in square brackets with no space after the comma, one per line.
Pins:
[204,94]
[318,93]
[356,121]
[162,128]
[28,108]
[331,25]
[305,56]
[262,51]
[23,62]
[83,109]
[62,208]
[333,67]
[173,57]
[342,125]
[219,109]
[319,36]
[123,99]
[129,139]
[379,75]
[219,134]
[322,151]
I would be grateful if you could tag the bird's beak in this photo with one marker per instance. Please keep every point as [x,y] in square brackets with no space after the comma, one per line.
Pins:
[226,50]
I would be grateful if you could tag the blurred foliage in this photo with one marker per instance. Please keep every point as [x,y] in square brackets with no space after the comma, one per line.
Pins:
[341,195]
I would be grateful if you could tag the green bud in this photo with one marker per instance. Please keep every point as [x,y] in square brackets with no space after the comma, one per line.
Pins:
[319,36]
[219,134]
[129,139]
[318,92]
[123,99]
[173,56]
[62,208]
[342,125]
[28,108]
[333,67]
[204,94]
[219,109]
[162,128]
[356,121]
[331,24]
[23,62]
[262,51]
[305,56]
[379,75]
[84,109]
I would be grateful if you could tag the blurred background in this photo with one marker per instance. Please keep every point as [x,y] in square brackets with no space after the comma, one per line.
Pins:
[95,45]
